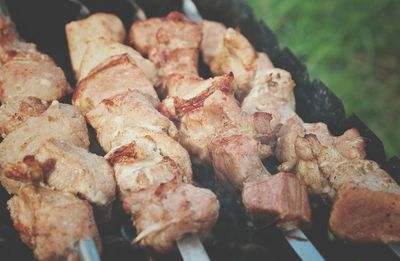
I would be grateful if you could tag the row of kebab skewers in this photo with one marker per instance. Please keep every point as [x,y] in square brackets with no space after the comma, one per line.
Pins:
[233,121]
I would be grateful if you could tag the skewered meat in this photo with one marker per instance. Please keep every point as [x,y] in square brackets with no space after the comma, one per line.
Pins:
[67,168]
[327,164]
[369,215]
[170,211]
[52,222]
[81,32]
[59,121]
[100,49]
[214,129]
[116,75]
[142,34]
[33,74]
[151,168]
[171,43]
[12,115]
[212,41]
[239,57]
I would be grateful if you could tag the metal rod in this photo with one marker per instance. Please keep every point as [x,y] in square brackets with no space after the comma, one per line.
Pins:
[87,250]
[303,247]
[190,9]
[395,246]
[191,248]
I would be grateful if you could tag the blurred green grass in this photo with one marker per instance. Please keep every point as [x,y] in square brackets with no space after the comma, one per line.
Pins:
[352,46]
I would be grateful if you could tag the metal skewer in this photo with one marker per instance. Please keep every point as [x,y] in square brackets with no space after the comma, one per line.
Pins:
[191,248]
[87,250]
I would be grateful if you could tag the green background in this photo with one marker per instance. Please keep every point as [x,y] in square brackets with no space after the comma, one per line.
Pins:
[354,47]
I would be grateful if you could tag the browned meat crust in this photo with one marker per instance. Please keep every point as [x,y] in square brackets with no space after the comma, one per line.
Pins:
[362,214]
[52,222]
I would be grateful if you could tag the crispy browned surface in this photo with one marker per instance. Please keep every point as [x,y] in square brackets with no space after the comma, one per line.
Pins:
[12,115]
[169,211]
[100,49]
[52,222]
[142,34]
[80,33]
[236,158]
[116,75]
[362,214]
[59,121]
[78,171]
[271,92]
[239,57]
[31,74]
[117,118]
[209,109]
[281,197]
[171,43]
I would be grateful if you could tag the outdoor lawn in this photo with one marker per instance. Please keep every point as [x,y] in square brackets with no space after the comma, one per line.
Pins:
[352,46]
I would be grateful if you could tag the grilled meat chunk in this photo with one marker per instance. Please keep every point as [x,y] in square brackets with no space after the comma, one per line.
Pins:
[171,43]
[116,75]
[12,115]
[239,57]
[215,130]
[59,121]
[209,109]
[142,34]
[114,118]
[99,50]
[78,171]
[282,197]
[212,41]
[271,92]
[27,74]
[80,33]
[52,222]
[166,212]
[362,214]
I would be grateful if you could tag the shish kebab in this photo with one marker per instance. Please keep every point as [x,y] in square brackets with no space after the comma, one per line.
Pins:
[44,159]
[153,171]
[210,119]
[365,199]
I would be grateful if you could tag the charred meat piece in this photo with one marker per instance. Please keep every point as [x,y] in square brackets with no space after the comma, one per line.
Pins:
[12,115]
[114,118]
[362,214]
[80,33]
[78,171]
[27,74]
[171,43]
[209,109]
[51,222]
[100,49]
[212,41]
[59,121]
[142,34]
[168,211]
[239,57]
[282,197]
[116,75]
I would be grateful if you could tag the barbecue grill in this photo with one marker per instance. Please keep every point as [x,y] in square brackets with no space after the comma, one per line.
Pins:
[233,237]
